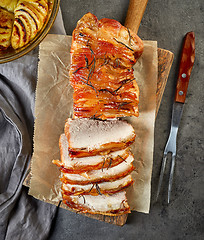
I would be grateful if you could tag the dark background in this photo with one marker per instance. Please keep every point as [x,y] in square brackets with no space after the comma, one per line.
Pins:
[166,21]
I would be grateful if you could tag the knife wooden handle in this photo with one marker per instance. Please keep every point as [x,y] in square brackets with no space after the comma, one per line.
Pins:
[135,13]
[186,65]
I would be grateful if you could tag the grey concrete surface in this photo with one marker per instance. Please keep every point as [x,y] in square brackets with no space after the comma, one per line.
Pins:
[166,21]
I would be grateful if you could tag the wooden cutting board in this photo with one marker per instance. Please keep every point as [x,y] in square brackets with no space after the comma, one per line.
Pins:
[165,58]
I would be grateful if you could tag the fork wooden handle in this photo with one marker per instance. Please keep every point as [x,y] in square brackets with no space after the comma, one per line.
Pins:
[186,65]
[135,13]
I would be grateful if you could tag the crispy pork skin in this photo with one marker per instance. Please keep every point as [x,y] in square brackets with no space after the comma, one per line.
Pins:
[102,56]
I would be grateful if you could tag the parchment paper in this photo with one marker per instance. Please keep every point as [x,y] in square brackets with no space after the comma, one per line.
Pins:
[54,106]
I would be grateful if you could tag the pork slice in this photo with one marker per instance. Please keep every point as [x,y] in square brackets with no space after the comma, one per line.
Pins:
[103,175]
[114,204]
[89,137]
[98,188]
[78,165]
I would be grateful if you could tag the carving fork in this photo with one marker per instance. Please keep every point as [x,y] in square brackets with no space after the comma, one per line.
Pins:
[186,65]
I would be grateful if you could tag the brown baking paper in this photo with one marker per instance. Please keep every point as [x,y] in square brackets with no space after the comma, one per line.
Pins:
[54,106]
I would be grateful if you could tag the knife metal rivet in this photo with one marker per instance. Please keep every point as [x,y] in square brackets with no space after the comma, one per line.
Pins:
[180,93]
[183,75]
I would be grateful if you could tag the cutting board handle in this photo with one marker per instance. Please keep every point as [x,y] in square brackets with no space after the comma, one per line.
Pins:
[135,13]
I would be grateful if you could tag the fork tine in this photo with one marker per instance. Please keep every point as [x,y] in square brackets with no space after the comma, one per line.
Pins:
[171,177]
[161,174]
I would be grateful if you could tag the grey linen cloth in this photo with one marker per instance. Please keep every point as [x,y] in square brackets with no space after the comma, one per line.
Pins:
[21,216]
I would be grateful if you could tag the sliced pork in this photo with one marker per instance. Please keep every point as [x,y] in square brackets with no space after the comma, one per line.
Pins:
[111,205]
[102,175]
[89,137]
[97,188]
[78,165]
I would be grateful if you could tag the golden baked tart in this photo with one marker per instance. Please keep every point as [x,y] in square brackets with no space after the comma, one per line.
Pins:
[6,24]
[8,4]
[30,16]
